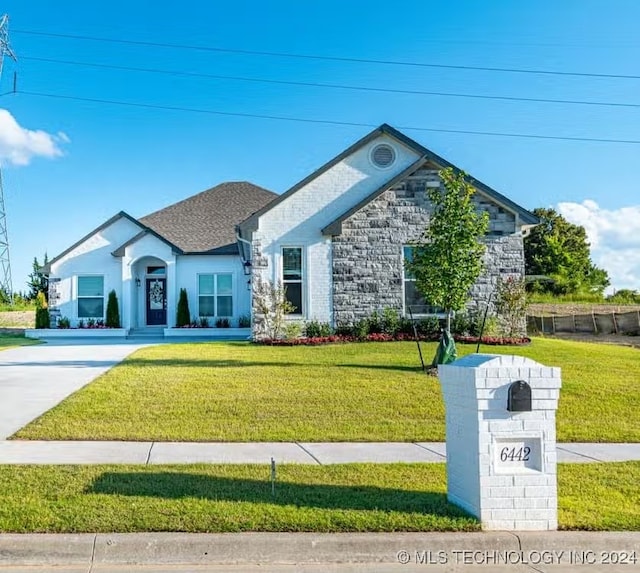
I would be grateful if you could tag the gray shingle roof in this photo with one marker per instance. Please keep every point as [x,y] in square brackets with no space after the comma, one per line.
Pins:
[205,223]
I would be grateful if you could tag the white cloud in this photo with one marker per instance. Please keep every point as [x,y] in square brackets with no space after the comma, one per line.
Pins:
[19,145]
[614,236]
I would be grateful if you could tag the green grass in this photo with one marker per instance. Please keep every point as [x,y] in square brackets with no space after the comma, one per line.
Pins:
[229,498]
[599,497]
[9,340]
[351,392]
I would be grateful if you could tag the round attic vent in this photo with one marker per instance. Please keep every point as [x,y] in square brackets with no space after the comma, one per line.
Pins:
[383,155]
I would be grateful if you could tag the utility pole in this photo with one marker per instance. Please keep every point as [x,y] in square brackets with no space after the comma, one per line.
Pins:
[6,285]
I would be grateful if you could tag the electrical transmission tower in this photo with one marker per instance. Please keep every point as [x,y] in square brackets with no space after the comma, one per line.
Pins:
[6,286]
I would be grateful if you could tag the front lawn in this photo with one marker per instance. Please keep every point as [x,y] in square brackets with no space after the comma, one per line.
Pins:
[231,498]
[8,340]
[349,392]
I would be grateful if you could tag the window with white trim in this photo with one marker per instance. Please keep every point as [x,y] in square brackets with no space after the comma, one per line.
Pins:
[413,300]
[90,297]
[215,295]
[293,277]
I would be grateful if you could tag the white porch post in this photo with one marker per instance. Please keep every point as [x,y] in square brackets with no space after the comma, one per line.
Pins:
[172,291]
[126,293]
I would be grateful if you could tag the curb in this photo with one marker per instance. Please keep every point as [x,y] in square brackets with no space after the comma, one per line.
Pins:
[309,548]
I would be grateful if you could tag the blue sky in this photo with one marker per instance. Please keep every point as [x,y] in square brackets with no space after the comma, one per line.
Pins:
[96,159]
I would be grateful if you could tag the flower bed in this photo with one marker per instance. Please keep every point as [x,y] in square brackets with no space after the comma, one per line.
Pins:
[401,336]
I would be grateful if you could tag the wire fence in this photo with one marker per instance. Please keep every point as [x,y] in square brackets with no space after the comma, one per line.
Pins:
[593,323]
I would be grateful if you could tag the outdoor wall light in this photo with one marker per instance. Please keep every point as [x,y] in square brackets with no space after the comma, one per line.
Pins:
[137,281]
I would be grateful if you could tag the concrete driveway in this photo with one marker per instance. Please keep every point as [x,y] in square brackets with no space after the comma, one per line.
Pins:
[34,379]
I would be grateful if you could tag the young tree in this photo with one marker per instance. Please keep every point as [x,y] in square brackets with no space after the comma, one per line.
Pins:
[37,281]
[271,307]
[447,260]
[559,250]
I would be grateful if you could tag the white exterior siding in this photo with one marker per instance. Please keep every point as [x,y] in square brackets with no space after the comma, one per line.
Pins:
[299,219]
[190,266]
[92,257]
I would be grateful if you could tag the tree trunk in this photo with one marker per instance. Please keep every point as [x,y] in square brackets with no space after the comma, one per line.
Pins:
[448,320]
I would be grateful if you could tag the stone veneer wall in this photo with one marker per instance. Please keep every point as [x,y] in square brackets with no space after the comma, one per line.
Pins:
[368,256]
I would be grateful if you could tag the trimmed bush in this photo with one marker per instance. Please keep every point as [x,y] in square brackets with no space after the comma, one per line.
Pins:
[183,316]
[315,329]
[43,320]
[113,311]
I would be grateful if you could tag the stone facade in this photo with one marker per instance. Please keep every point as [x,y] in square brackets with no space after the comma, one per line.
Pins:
[368,259]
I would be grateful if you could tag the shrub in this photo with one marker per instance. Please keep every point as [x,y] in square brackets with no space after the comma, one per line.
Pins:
[113,311]
[244,321]
[390,321]
[361,329]
[315,329]
[183,315]
[292,330]
[204,322]
[428,325]
[43,320]
[64,322]
[405,326]
[461,323]
[223,323]
[81,323]
[344,329]
[375,323]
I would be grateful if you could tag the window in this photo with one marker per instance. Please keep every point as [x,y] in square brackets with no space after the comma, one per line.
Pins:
[292,277]
[91,296]
[414,302]
[156,271]
[215,295]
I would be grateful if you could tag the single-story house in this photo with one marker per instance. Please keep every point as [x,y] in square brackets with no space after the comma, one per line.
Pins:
[337,241]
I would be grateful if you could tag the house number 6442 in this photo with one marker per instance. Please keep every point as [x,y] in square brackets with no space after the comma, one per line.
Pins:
[515,455]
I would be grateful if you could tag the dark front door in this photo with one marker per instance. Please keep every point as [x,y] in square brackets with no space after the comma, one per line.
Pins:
[156,302]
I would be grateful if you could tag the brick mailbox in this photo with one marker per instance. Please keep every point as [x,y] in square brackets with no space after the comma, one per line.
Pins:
[501,440]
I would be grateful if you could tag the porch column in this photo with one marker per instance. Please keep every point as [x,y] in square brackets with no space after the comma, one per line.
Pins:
[172,291]
[126,293]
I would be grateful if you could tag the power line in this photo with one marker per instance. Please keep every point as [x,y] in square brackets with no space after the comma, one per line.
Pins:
[325,121]
[329,85]
[326,58]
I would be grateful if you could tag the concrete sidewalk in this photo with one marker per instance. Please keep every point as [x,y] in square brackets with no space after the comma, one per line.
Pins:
[544,552]
[104,452]
[34,379]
